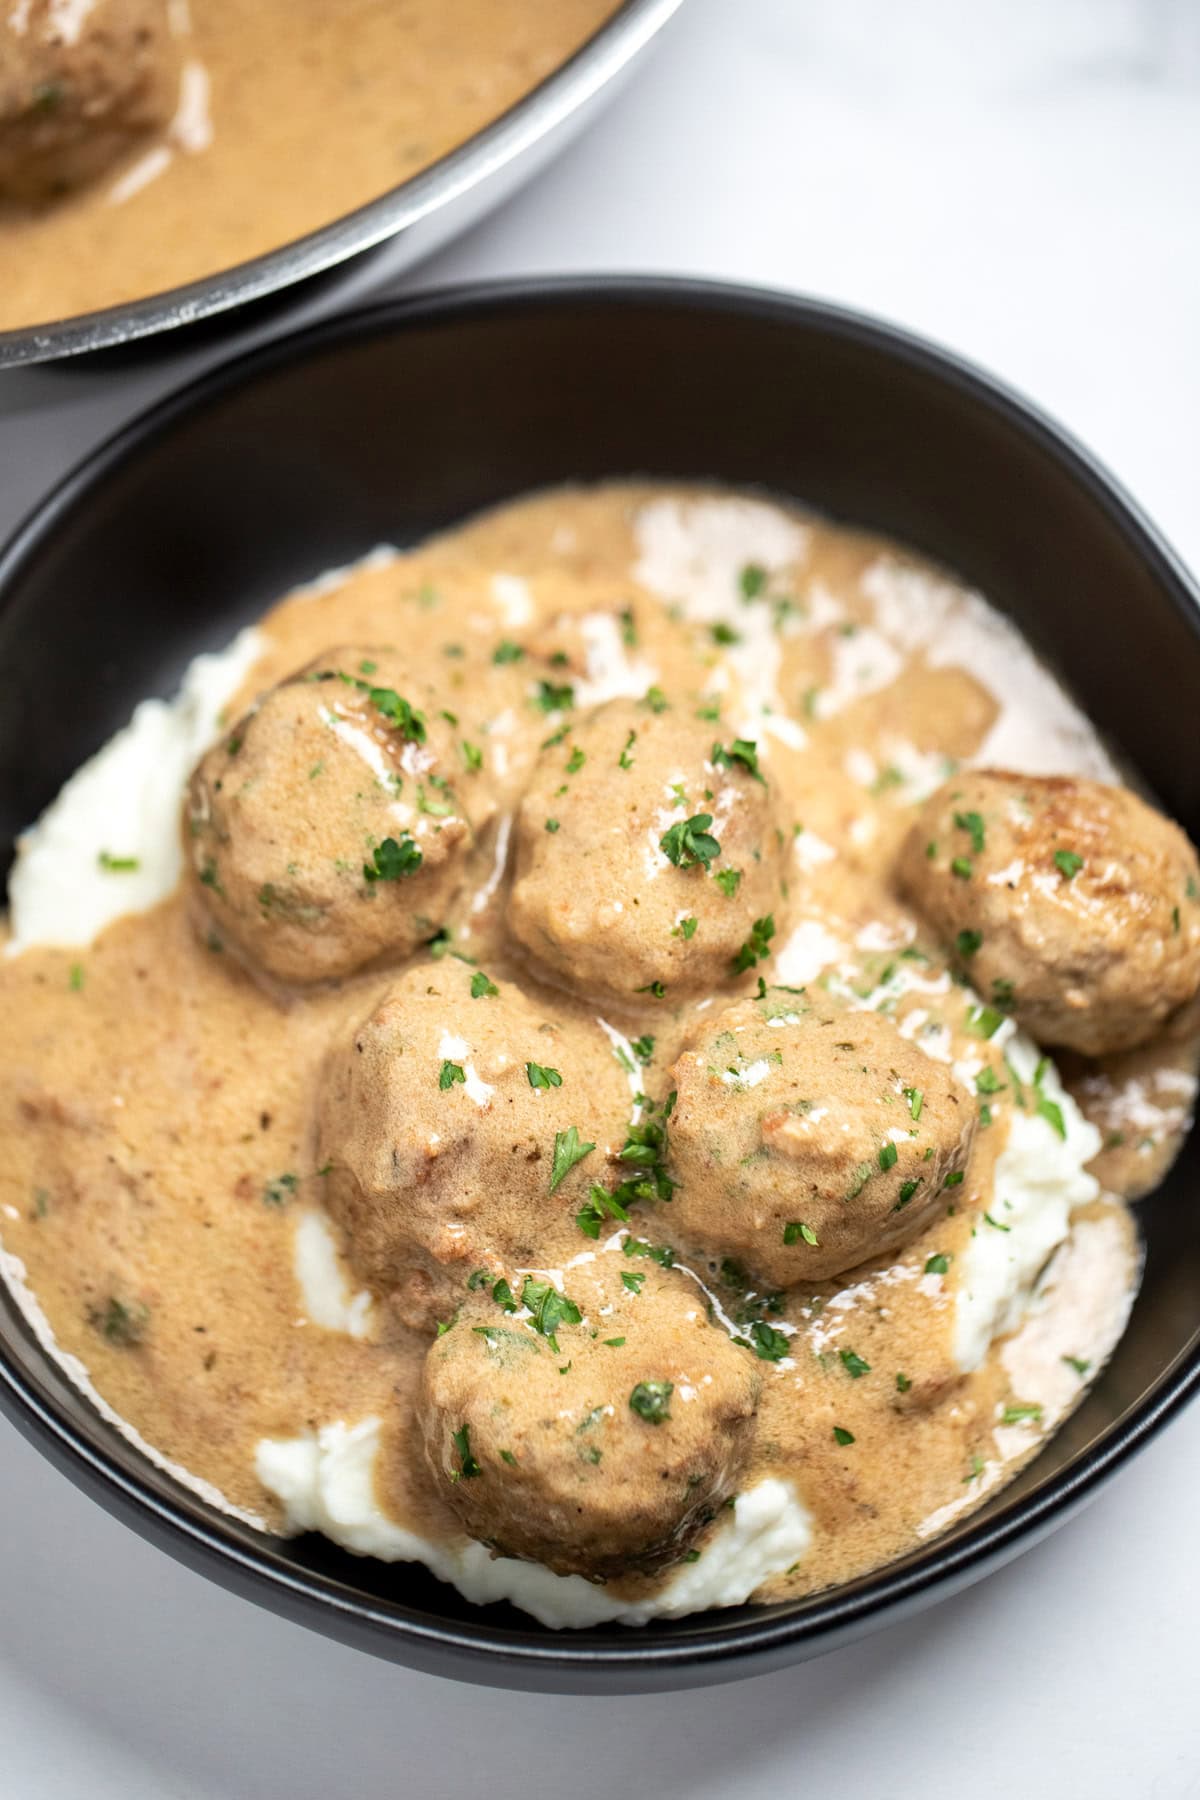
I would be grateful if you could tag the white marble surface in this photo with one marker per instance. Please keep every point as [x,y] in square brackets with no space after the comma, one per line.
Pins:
[1018,178]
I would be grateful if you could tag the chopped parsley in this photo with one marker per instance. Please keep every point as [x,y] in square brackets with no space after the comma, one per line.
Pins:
[938,1265]
[632,1281]
[643,1048]
[686,929]
[625,760]
[576,761]
[543,1077]
[393,860]
[118,865]
[796,1230]
[757,945]
[916,1100]
[690,842]
[742,750]
[972,824]
[567,1152]
[598,1206]
[1079,1364]
[765,1341]
[507,652]
[859,1180]
[120,1324]
[968,942]
[728,880]
[451,1073]
[903,1383]
[651,1400]
[854,1364]
[472,756]
[1052,1112]
[984,1021]
[655,699]
[1017,1415]
[988,1082]
[552,696]
[842,1436]
[888,1157]
[907,1190]
[552,825]
[723,633]
[550,1309]
[962,867]
[752,581]
[281,1190]
[1067,864]
[482,987]
[468,1468]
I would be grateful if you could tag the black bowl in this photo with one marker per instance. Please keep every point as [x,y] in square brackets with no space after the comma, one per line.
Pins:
[398,421]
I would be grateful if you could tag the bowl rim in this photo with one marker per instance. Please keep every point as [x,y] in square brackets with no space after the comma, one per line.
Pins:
[610,48]
[481,1650]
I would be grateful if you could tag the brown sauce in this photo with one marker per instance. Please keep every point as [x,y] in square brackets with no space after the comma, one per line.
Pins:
[157,1104]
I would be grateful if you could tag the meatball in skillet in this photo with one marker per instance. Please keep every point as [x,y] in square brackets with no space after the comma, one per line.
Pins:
[458,1123]
[807,1139]
[647,847]
[1073,905]
[605,1450]
[79,86]
[329,829]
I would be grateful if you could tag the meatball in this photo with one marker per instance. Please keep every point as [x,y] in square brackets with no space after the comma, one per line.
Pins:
[603,1452]
[807,1139]
[456,1125]
[76,94]
[1074,906]
[330,828]
[648,855]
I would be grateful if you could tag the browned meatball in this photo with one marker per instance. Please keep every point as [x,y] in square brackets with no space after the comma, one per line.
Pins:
[647,848]
[448,1121]
[1074,906]
[75,95]
[604,1452]
[806,1139]
[330,828]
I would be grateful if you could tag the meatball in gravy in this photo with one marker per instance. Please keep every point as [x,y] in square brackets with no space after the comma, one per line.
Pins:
[440,1120]
[329,828]
[1074,906]
[603,1448]
[807,1138]
[79,87]
[647,846]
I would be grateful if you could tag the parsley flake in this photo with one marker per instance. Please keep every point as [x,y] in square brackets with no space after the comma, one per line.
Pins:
[542,1077]
[393,860]
[690,842]
[651,1400]
[567,1152]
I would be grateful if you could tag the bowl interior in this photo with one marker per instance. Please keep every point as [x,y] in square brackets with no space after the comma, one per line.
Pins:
[402,420]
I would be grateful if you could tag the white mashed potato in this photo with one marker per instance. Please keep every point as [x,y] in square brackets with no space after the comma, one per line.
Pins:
[122,809]
[326,1482]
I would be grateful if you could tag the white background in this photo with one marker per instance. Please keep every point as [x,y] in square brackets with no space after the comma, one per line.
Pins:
[1021,180]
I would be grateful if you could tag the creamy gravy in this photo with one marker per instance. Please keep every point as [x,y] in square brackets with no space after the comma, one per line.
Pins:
[289,116]
[161,1176]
